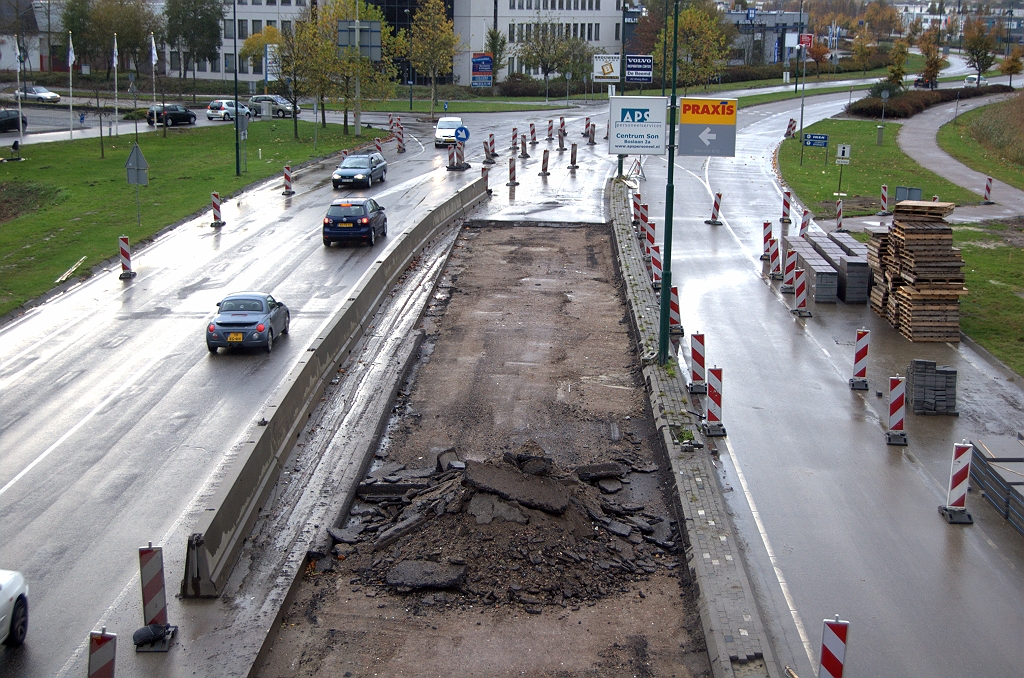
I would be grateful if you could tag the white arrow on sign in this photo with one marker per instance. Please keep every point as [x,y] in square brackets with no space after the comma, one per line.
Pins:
[707,137]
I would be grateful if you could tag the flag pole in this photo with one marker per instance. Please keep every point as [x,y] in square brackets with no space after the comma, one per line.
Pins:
[116,131]
[153,58]
[71,91]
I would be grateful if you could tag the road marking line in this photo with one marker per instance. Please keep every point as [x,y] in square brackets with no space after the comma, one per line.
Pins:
[771,555]
[71,431]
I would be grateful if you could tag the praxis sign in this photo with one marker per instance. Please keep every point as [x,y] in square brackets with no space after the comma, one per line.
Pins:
[638,125]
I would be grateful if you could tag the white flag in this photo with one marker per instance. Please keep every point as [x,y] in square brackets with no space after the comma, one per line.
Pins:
[115,48]
[71,52]
[152,44]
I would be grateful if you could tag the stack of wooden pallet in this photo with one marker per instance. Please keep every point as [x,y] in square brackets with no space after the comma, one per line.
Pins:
[877,247]
[920,272]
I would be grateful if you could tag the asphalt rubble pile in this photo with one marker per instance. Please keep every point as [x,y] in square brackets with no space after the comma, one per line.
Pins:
[516,530]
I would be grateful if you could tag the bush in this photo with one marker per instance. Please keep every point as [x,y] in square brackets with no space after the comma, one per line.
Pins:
[909,103]
[134,114]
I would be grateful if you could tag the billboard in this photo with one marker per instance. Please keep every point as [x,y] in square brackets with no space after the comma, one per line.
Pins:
[483,69]
[707,127]
[638,125]
[639,68]
[606,68]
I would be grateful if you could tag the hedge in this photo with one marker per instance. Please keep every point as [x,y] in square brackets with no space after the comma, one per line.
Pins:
[910,103]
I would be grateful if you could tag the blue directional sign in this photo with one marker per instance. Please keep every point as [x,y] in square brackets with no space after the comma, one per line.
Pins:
[462,134]
[819,140]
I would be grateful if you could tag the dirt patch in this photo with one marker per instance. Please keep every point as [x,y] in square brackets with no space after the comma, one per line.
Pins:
[517,520]
[854,204]
[1010,231]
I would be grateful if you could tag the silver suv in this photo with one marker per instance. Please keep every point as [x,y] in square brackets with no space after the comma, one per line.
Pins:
[279,106]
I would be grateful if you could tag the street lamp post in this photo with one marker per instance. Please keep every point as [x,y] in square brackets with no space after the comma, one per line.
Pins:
[234,33]
[670,196]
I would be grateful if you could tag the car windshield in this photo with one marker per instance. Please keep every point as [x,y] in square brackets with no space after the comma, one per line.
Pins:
[41,90]
[449,124]
[248,305]
[357,161]
[345,211]
[281,100]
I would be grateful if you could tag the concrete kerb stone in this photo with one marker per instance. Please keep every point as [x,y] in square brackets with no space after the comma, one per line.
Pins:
[735,637]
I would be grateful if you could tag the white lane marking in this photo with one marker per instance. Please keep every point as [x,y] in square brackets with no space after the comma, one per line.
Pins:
[67,434]
[771,555]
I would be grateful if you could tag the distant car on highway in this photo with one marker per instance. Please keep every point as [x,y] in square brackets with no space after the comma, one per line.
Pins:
[359,169]
[444,132]
[224,109]
[13,608]
[928,84]
[354,220]
[278,105]
[170,115]
[975,81]
[247,319]
[9,121]
[40,94]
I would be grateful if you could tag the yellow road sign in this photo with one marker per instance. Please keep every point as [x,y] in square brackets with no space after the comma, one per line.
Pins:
[707,111]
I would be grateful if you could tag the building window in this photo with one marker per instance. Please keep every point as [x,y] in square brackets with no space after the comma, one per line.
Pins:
[271,23]
[576,4]
[229,63]
[575,30]
[511,65]
[520,4]
[201,66]
[243,66]
[215,65]
[618,5]
[597,32]
[511,32]
[616,31]
[271,2]
[519,33]
[257,26]
[597,5]
[243,29]
[590,32]
[529,31]
[175,61]
[286,27]
[590,5]
[529,4]
[229,29]
[561,4]
[257,66]
[511,4]
[545,4]
[255,2]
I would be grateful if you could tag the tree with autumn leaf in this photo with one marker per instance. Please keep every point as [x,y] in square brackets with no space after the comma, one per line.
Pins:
[979,44]
[863,49]
[434,42]
[1013,64]
[929,47]
[702,47]
[818,52]
[898,64]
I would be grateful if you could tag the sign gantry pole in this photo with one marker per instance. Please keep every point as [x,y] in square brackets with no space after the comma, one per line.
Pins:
[670,196]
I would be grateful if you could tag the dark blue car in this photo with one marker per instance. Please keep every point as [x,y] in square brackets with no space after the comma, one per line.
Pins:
[247,319]
[354,220]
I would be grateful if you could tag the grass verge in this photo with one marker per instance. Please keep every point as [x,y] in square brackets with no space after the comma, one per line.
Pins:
[871,166]
[78,203]
[758,99]
[956,139]
[473,106]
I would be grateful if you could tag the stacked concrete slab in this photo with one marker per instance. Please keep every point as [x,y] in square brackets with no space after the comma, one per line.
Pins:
[821,276]
[853,275]
[997,469]
[931,389]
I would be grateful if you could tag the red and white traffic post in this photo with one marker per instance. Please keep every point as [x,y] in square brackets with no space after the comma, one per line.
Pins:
[697,384]
[593,131]
[561,140]
[485,175]
[675,320]
[636,208]
[561,126]
[805,223]
[572,158]
[544,164]
[788,272]
[215,204]
[839,215]
[767,240]
[512,173]
[523,153]
[126,258]
[451,157]
[288,181]
[154,596]
[586,127]
[401,137]
[715,207]
[885,202]
[515,139]
[834,634]
[490,143]
[488,159]
[102,653]
[551,130]
[987,199]
[713,426]
[644,216]
[800,294]
[774,262]
[859,382]
[790,128]
[786,196]
[391,122]
[533,134]
[897,412]
[377,146]
[935,198]
[655,267]
[650,234]
[955,510]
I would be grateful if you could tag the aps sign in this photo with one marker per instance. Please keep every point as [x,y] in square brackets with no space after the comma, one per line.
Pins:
[638,125]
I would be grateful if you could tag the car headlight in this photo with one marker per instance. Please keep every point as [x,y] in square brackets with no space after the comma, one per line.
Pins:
[336,175]
[359,176]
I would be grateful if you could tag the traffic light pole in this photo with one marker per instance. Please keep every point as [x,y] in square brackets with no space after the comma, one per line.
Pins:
[670,196]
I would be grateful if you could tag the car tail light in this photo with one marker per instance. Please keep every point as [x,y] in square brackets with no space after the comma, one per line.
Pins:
[364,220]
[261,327]
[211,328]
[327,222]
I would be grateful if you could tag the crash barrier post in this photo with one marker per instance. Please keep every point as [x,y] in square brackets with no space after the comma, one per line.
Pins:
[859,382]
[987,200]
[675,320]
[636,208]
[126,258]
[491,144]
[897,411]
[151,572]
[644,217]
[790,128]
[715,206]
[485,174]
[839,215]
[713,426]
[544,164]
[885,202]
[805,223]
[512,173]
[788,272]
[102,653]
[460,156]
[800,294]
[391,122]
[785,208]
[215,203]
[219,535]
[586,127]
[401,138]
[561,126]
[377,145]
[523,154]
[593,131]
[551,130]
[955,510]
[488,158]
[697,384]
[774,261]
[655,267]
[561,140]
[288,181]
[515,139]
[651,233]
[451,156]
[572,158]
[533,135]
[767,240]
[833,648]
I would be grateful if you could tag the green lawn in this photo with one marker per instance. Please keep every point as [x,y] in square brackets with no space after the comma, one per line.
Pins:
[77,204]
[472,106]
[954,139]
[758,99]
[870,167]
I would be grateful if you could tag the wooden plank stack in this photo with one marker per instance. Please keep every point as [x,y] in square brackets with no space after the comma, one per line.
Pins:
[918,273]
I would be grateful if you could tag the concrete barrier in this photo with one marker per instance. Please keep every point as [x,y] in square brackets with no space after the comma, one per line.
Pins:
[214,545]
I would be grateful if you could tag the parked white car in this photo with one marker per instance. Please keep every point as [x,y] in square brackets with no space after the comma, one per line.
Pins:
[973,81]
[13,608]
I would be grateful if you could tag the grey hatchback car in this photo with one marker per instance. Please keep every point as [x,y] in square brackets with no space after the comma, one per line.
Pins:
[247,319]
[360,169]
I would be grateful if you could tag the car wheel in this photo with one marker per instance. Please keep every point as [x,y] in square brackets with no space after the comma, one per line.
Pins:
[19,624]
[287,323]
[168,122]
[226,117]
[191,119]
[383,175]
[373,236]
[211,348]
[327,243]
[384,231]
[270,340]
[369,181]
